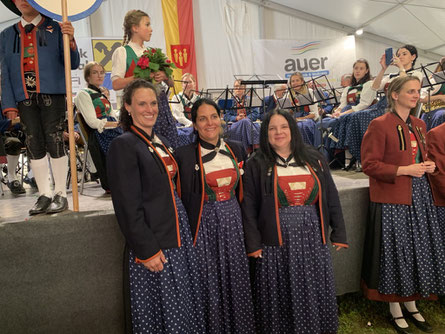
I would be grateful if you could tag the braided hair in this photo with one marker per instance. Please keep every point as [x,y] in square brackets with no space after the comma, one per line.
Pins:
[132,18]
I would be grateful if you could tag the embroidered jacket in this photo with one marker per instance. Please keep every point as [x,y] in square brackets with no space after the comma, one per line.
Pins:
[49,69]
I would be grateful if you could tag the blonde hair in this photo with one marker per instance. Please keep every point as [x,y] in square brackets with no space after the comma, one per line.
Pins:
[298,74]
[395,87]
[188,75]
[132,18]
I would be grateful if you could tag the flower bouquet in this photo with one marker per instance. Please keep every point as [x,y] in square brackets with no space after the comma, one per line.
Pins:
[153,60]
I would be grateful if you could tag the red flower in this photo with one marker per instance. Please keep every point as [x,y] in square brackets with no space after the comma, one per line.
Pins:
[143,62]
[168,61]
[153,50]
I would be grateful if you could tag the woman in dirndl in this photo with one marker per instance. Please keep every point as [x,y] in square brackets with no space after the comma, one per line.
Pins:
[211,170]
[357,96]
[160,262]
[290,204]
[404,257]
[404,60]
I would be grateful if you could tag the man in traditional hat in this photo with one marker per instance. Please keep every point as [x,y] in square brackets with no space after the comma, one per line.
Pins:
[33,84]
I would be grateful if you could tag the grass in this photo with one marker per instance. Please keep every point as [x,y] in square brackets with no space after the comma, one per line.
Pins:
[355,312]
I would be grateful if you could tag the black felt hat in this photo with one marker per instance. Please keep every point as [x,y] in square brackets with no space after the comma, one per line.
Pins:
[11,6]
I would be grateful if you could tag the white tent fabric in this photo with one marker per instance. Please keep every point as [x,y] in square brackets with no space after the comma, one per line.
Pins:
[225,29]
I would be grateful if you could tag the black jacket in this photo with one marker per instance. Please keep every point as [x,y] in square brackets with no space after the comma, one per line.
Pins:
[191,171]
[260,206]
[143,196]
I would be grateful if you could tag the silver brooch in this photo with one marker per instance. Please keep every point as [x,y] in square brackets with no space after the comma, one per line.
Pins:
[196,167]
[216,149]
[241,171]
[150,149]
[170,149]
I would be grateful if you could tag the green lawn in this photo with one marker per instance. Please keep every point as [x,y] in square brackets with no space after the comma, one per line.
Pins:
[355,312]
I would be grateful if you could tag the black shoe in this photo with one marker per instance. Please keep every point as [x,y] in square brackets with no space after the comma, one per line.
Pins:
[16,188]
[351,165]
[58,204]
[41,205]
[30,181]
[398,329]
[424,326]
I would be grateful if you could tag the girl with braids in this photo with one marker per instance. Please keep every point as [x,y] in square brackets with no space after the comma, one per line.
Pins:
[404,253]
[290,204]
[137,30]
[160,260]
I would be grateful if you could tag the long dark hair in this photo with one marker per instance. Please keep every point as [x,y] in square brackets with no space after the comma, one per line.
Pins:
[125,118]
[367,76]
[412,49]
[301,152]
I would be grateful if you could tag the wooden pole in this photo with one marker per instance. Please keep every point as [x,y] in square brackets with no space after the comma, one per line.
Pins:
[69,103]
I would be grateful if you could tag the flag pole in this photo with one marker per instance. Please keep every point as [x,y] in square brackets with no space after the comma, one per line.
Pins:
[69,103]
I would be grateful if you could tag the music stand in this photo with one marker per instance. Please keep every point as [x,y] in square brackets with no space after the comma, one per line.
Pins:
[430,79]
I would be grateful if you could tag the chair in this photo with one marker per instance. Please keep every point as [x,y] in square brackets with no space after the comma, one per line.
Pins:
[92,145]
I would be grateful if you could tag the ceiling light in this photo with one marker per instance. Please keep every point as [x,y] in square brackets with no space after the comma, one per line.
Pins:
[359,32]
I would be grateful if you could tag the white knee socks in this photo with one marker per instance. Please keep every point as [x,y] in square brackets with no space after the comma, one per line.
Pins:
[60,171]
[40,169]
[12,166]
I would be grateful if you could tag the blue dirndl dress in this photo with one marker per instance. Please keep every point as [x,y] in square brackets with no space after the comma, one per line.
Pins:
[168,301]
[358,124]
[434,118]
[222,259]
[294,290]
[404,256]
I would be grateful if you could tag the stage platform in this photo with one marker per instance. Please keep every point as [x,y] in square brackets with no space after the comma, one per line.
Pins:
[62,273]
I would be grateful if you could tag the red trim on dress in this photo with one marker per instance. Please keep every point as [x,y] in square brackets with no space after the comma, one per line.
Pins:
[201,168]
[320,203]
[275,195]
[22,49]
[373,294]
[137,260]
[255,253]
[340,245]
[169,179]
[241,188]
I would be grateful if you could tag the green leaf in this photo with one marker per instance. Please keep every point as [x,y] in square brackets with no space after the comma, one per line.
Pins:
[154,66]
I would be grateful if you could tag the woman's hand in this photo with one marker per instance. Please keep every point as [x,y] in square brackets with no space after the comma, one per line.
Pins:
[396,62]
[430,166]
[383,62]
[157,264]
[160,76]
[415,170]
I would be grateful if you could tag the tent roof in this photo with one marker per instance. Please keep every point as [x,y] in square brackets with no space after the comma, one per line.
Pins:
[417,22]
